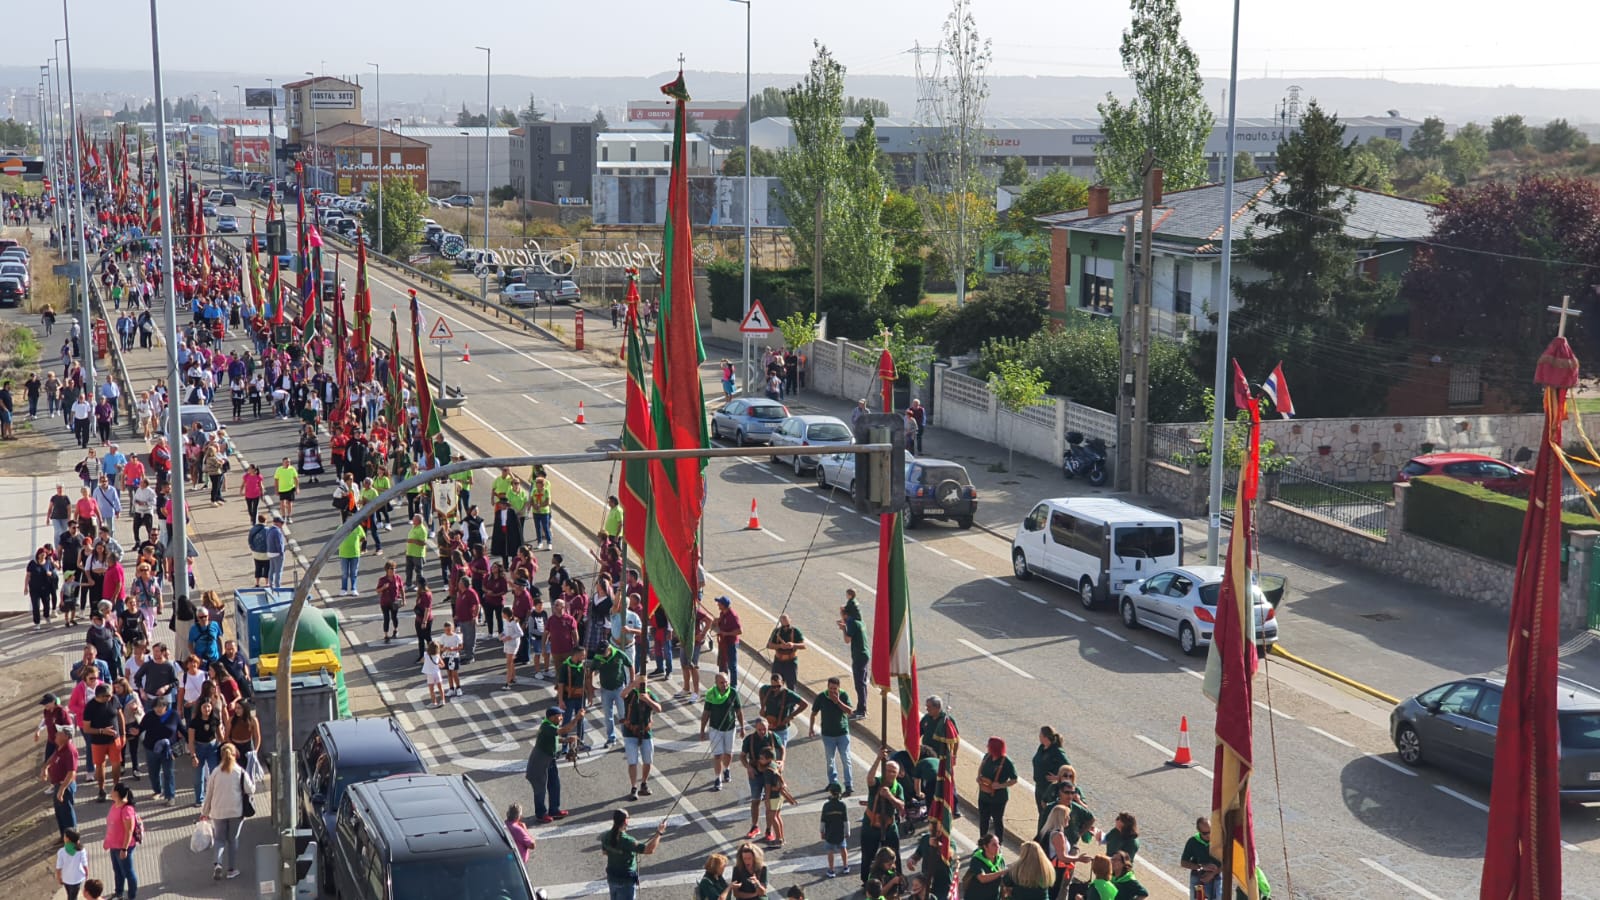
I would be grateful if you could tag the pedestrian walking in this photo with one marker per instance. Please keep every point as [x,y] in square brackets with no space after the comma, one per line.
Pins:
[159,731]
[638,744]
[749,878]
[997,774]
[1204,873]
[72,863]
[433,674]
[833,706]
[712,884]
[122,829]
[228,803]
[728,631]
[1047,761]
[61,773]
[622,852]
[422,618]
[885,805]
[723,720]
[786,642]
[391,596]
[450,654]
[833,828]
[521,837]
[286,478]
[779,706]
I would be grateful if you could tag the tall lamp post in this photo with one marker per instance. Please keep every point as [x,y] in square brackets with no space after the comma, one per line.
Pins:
[86,324]
[748,115]
[379,75]
[488,120]
[52,150]
[272,139]
[316,157]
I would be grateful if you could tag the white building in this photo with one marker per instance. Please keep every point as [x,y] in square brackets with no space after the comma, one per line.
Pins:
[650,153]
[455,157]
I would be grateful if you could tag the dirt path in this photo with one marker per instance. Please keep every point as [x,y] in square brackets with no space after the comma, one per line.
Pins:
[27,826]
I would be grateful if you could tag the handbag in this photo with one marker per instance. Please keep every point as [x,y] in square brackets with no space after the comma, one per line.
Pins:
[249,805]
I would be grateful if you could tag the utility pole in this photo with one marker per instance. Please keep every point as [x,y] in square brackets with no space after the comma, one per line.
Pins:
[1127,290]
[1141,348]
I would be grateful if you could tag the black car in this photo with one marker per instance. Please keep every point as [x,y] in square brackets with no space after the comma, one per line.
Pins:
[939,489]
[342,753]
[422,837]
[10,292]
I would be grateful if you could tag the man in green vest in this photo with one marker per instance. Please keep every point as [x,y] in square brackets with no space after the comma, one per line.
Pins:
[723,721]
[416,552]
[1202,867]
[539,502]
[612,666]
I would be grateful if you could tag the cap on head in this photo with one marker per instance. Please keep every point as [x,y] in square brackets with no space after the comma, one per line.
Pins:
[724,601]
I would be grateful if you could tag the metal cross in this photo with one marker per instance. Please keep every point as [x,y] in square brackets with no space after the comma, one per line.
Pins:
[1564,310]
[887,337]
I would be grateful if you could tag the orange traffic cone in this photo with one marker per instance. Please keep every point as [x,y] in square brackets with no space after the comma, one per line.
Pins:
[755,521]
[466,353]
[1182,759]
[579,420]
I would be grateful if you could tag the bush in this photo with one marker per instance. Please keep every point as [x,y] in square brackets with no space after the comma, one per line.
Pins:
[905,287]
[923,323]
[781,291]
[1473,518]
[1009,308]
[439,268]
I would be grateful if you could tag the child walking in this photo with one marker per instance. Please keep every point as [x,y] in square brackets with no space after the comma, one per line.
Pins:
[433,670]
[510,640]
[450,645]
[776,793]
[835,828]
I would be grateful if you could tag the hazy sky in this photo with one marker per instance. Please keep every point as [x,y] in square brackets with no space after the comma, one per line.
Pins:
[1545,43]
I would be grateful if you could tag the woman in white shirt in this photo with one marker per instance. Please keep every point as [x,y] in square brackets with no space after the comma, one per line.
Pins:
[72,864]
[226,789]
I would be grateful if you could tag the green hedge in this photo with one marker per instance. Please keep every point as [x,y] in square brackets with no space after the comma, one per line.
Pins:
[781,291]
[1473,518]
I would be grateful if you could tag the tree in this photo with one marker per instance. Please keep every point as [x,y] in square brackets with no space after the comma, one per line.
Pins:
[1386,150]
[1016,387]
[507,119]
[843,175]
[1508,133]
[1057,192]
[1244,166]
[911,359]
[1314,306]
[866,106]
[901,220]
[1500,254]
[1557,136]
[1428,140]
[467,119]
[599,123]
[1083,362]
[1014,172]
[17,135]
[1011,307]
[763,162]
[1371,171]
[953,148]
[1465,154]
[531,113]
[1168,113]
[403,212]
[1430,188]
[798,329]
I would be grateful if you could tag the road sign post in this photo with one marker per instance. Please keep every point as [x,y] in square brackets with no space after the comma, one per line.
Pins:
[755,326]
[440,334]
[577,328]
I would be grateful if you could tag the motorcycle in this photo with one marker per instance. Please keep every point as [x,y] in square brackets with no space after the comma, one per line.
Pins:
[1086,459]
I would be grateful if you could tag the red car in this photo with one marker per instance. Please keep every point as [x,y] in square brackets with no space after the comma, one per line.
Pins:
[1471,467]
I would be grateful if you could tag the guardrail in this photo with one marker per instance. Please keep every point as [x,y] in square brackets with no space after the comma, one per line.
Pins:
[119,367]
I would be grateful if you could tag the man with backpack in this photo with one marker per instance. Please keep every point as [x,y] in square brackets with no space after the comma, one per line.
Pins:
[257,540]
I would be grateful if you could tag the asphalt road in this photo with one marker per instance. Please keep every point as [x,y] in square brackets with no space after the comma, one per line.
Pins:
[1008,656]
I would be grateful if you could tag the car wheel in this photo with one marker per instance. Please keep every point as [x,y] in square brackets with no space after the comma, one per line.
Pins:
[1086,592]
[822,479]
[964,522]
[738,437]
[1409,745]
[1019,566]
[912,519]
[1187,639]
[716,433]
[1130,616]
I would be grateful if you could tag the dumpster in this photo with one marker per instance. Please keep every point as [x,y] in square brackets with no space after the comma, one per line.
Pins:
[318,630]
[313,700]
[249,605]
[300,663]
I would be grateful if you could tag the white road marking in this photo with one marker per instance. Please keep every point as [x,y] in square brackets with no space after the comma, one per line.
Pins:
[1000,581]
[938,551]
[1110,634]
[1153,745]
[1177,885]
[1450,792]
[992,658]
[530,399]
[1148,652]
[1071,615]
[1406,883]
[965,565]
[774,535]
[1332,737]
[1034,597]
[493,376]
[858,583]
[1281,715]
[1391,764]
[1188,671]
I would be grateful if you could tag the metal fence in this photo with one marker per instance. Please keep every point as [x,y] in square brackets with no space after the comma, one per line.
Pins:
[1364,510]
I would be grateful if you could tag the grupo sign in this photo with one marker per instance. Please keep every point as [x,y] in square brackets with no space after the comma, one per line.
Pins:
[566,259]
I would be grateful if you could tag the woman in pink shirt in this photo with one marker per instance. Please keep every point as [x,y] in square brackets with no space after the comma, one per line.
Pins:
[520,835]
[251,487]
[119,843]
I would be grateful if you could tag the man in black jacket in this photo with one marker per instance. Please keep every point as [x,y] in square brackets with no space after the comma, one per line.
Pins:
[158,678]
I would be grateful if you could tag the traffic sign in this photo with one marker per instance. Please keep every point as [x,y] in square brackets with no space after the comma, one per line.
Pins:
[440,333]
[756,321]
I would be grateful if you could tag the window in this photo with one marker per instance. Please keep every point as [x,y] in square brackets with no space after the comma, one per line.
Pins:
[1098,292]
[561,165]
[1146,542]
[1036,519]
[394,158]
[1489,708]
[605,153]
[633,153]
[1181,586]
[1088,537]
[1466,385]
[1461,700]
[1182,285]
[1428,698]
[366,158]
[1580,731]
[1061,529]
[1159,584]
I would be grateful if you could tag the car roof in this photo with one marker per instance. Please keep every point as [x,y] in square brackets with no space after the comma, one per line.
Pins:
[930,461]
[764,401]
[367,742]
[811,419]
[1109,509]
[1571,695]
[1439,458]
[1200,574]
[425,814]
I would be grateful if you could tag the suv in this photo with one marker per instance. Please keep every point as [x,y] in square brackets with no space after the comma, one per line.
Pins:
[11,293]
[339,754]
[421,837]
[1453,725]
[939,489]
[459,200]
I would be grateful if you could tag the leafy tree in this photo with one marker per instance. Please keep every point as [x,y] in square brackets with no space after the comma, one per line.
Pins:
[1371,171]
[843,175]
[1430,188]
[1313,307]
[1386,150]
[1057,192]
[724,129]
[1465,154]
[1016,387]
[1168,113]
[866,106]
[1235,438]
[798,329]
[1428,140]
[403,211]
[467,119]
[1012,307]
[764,162]
[1014,172]
[503,194]
[1084,360]
[1508,133]
[956,192]
[507,119]
[18,135]
[911,358]
[1244,166]
[1501,253]
[529,114]
[598,123]
[901,220]
[1557,136]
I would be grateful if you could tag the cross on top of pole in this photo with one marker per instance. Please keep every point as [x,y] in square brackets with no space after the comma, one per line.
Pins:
[1564,310]
[887,335]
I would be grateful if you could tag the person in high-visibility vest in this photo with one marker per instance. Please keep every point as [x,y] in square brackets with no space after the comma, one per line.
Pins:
[539,503]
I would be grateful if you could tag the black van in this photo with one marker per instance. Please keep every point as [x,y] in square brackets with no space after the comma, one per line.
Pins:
[345,752]
[422,837]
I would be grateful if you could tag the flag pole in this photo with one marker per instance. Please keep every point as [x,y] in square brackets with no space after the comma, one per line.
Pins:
[1219,390]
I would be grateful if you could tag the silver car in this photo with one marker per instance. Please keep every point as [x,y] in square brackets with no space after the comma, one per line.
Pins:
[750,420]
[1453,726]
[520,295]
[1182,603]
[810,431]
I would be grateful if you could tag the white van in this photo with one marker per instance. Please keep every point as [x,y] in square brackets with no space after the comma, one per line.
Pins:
[1095,544]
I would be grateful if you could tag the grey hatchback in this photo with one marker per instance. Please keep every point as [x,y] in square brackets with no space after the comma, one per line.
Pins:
[1453,725]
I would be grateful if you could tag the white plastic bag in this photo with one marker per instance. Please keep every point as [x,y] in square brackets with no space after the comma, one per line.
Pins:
[253,767]
[200,841]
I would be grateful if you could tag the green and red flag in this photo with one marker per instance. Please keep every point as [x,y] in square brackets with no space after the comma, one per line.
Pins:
[275,294]
[252,261]
[1230,668]
[636,435]
[677,405]
[395,402]
[894,659]
[427,416]
[363,310]
[341,369]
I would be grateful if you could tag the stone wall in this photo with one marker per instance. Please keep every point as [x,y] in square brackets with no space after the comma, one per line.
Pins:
[1179,491]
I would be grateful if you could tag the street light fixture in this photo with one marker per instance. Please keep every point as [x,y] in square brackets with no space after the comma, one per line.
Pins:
[379,76]
[316,156]
[86,324]
[488,118]
[748,115]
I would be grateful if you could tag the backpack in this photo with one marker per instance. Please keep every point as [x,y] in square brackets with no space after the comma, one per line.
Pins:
[258,538]
[138,829]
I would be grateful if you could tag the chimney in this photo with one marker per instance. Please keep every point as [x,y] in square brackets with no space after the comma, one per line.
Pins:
[1099,200]
[1157,177]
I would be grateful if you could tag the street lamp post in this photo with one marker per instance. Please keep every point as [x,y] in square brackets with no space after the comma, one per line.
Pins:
[748,115]
[379,75]
[316,156]
[272,139]
[488,119]
[51,150]
[86,324]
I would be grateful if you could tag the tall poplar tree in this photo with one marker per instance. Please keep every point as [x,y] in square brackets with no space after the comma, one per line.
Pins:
[1168,112]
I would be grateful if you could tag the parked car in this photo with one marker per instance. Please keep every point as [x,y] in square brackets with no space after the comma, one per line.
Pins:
[214,196]
[750,420]
[411,837]
[939,489]
[1470,467]
[228,199]
[566,291]
[11,292]
[460,200]
[1182,603]
[19,271]
[227,225]
[520,295]
[809,431]
[345,752]
[189,414]
[1453,726]
[1095,544]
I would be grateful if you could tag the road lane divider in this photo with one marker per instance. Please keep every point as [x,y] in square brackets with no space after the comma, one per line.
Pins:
[992,658]
[1401,880]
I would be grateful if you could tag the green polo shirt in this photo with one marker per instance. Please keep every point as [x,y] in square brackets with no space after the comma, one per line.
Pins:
[500,486]
[835,716]
[999,771]
[417,542]
[722,715]
[518,498]
[622,856]
[286,478]
[1197,851]
[613,521]
[350,547]
[856,635]
[613,666]
[549,735]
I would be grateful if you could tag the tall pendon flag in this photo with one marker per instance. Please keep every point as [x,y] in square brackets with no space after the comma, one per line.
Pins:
[677,405]
[636,435]
[427,416]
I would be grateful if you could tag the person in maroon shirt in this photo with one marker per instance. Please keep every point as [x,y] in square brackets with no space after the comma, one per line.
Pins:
[53,719]
[62,773]
[465,607]
[391,596]
[728,631]
[521,607]
[562,631]
[494,590]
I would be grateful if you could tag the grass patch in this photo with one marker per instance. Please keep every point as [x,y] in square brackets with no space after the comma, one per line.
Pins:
[1590,404]
[1310,495]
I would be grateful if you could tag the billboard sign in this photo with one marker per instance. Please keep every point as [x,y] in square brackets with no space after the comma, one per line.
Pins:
[333,99]
[261,98]
[251,151]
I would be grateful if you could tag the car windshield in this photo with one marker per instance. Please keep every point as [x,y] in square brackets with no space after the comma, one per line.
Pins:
[1414,468]
[936,474]
[828,431]
[205,418]
[1580,731]
[773,413]
[488,877]
[1146,542]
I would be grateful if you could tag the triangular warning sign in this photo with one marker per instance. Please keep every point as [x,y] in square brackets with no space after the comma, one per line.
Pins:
[440,331]
[756,321]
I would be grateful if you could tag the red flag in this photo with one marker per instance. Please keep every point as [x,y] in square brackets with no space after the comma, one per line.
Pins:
[1522,859]
[363,310]
[275,290]
[1241,387]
